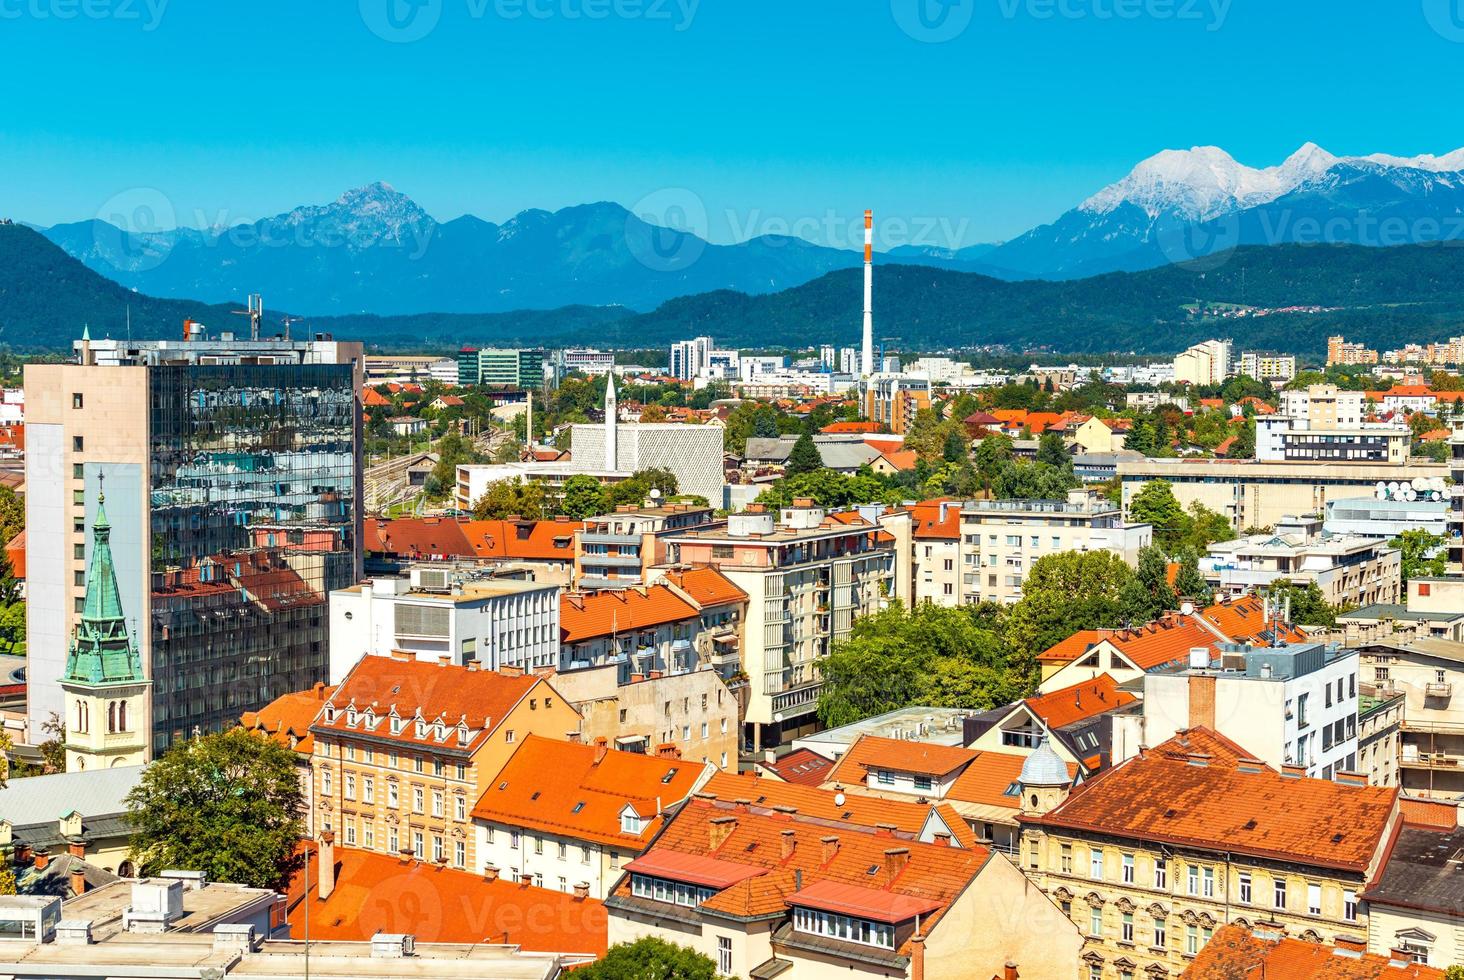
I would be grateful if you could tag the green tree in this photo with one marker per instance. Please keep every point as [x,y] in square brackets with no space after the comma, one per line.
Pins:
[1188,582]
[1455,972]
[1422,554]
[804,458]
[957,447]
[1022,480]
[1244,446]
[831,490]
[637,489]
[1050,450]
[1153,576]
[1205,528]
[583,497]
[12,626]
[649,958]
[12,515]
[7,874]
[507,498]
[1064,593]
[1156,505]
[1308,606]
[991,454]
[226,803]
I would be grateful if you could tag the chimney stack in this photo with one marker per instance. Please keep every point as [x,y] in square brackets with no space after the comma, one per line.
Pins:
[490,873]
[42,860]
[602,748]
[895,860]
[78,881]
[830,847]
[325,874]
[789,843]
[76,846]
[582,890]
[719,829]
[866,360]
[1009,971]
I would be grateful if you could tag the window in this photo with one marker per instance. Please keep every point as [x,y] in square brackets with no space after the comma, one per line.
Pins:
[460,854]
[1245,888]
[922,782]
[77,444]
[437,806]
[1161,872]
[350,786]
[368,789]
[417,844]
[76,400]
[538,845]
[1313,899]
[325,789]
[462,771]
[1126,928]
[1349,905]
[393,841]
[1128,869]
[392,797]
[1209,883]
[513,840]
[1095,972]
[1095,864]
[1279,889]
[724,955]
[630,823]
[1191,940]
[837,926]
[418,799]
[1193,879]
[1161,934]
[437,852]
[1095,922]
[563,850]
[419,764]
[460,808]
[508,735]
[368,835]
[885,778]
[437,767]
[1065,859]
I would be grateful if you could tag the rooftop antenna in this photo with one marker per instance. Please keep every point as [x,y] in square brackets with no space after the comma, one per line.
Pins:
[287,320]
[255,313]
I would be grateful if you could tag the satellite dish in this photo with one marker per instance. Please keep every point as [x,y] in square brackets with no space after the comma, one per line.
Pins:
[655,493]
[838,799]
[1420,483]
[1410,494]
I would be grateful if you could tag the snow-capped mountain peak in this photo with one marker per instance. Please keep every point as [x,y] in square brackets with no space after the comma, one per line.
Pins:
[364,215]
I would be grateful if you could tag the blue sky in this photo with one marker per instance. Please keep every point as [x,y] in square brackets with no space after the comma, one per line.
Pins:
[764,114]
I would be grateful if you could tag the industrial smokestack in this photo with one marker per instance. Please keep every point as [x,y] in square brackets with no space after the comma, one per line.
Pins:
[866,363]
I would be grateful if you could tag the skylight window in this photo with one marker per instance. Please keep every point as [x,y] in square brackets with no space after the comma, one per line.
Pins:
[578,807]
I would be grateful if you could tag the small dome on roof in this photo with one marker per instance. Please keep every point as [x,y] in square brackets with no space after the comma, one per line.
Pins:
[1044,768]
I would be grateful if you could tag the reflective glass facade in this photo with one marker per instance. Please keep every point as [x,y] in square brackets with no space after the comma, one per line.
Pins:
[253,509]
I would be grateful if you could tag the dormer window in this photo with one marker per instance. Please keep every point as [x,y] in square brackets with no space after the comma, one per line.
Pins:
[421,728]
[351,717]
[396,725]
[630,821]
[844,927]
[462,734]
[330,714]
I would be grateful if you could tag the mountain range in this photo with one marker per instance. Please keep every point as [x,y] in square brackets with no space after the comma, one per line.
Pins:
[1384,297]
[374,250]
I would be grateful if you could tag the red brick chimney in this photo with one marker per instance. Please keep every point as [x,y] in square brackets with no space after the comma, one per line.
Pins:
[830,848]
[1009,972]
[895,860]
[602,748]
[76,847]
[490,873]
[41,861]
[78,881]
[789,842]
[719,829]
[582,890]
[325,874]
[917,955]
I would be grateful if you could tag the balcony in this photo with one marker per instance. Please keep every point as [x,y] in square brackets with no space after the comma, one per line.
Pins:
[1432,760]
[610,561]
[594,537]
[1441,691]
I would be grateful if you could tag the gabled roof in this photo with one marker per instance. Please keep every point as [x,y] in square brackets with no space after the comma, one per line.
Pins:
[580,791]
[904,459]
[1195,791]
[804,767]
[706,586]
[1235,951]
[377,893]
[620,611]
[1081,701]
[416,537]
[927,523]
[287,719]
[856,810]
[1164,641]
[900,755]
[1073,647]
[987,780]
[906,873]
[1243,620]
[525,540]
[481,699]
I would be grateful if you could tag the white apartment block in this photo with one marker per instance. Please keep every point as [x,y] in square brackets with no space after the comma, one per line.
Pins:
[689,357]
[1264,366]
[1206,363]
[587,360]
[1283,438]
[435,613]
[1288,705]
[1002,539]
[1325,406]
[1348,569]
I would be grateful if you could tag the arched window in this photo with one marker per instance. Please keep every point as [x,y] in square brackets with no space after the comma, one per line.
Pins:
[122,716]
[82,717]
[111,717]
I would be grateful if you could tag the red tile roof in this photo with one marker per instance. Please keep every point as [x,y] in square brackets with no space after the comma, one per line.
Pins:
[707,586]
[1072,648]
[580,791]
[926,519]
[1244,620]
[416,537]
[287,719]
[371,398]
[479,698]
[904,459]
[1235,951]
[848,427]
[584,616]
[862,901]
[377,893]
[848,856]
[925,758]
[1166,640]
[524,540]
[818,804]
[804,767]
[1083,700]
[1163,795]
[987,779]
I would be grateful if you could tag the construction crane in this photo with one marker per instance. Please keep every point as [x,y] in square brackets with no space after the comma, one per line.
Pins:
[287,320]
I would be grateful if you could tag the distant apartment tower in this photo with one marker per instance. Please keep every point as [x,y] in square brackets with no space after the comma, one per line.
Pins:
[689,357]
[515,368]
[1339,351]
[1325,406]
[1206,363]
[893,399]
[231,475]
[828,357]
[1265,366]
[848,360]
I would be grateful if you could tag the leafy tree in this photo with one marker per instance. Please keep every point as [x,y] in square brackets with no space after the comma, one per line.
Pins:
[1422,554]
[1153,576]
[507,498]
[1188,582]
[991,454]
[1308,606]
[7,874]
[1141,439]
[1021,480]
[1155,504]
[1455,972]
[957,448]
[831,490]
[584,497]
[1205,528]
[1064,593]
[226,803]
[1050,450]
[653,413]
[650,958]
[765,422]
[12,626]
[1244,446]
[804,457]
[12,515]
[53,749]
[637,489]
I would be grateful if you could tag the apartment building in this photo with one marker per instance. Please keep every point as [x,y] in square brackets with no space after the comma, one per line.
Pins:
[689,357]
[1350,570]
[565,816]
[694,715]
[1282,438]
[1379,734]
[764,890]
[1088,725]
[403,749]
[935,566]
[231,475]
[1156,854]
[510,368]
[893,399]
[1253,494]
[1293,704]
[807,575]
[1339,351]
[1414,904]
[1425,671]
[434,613]
[616,551]
[1206,363]
[1268,366]
[1325,406]
[1002,539]
[643,632]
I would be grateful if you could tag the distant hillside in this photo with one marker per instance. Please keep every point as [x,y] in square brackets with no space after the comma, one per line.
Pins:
[1383,296]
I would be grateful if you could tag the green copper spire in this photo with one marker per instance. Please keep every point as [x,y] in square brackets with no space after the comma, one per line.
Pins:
[101,651]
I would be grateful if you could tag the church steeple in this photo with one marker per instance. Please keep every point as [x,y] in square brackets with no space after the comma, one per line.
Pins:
[106,688]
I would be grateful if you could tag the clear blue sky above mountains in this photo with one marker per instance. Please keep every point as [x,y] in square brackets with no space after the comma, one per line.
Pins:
[766,111]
